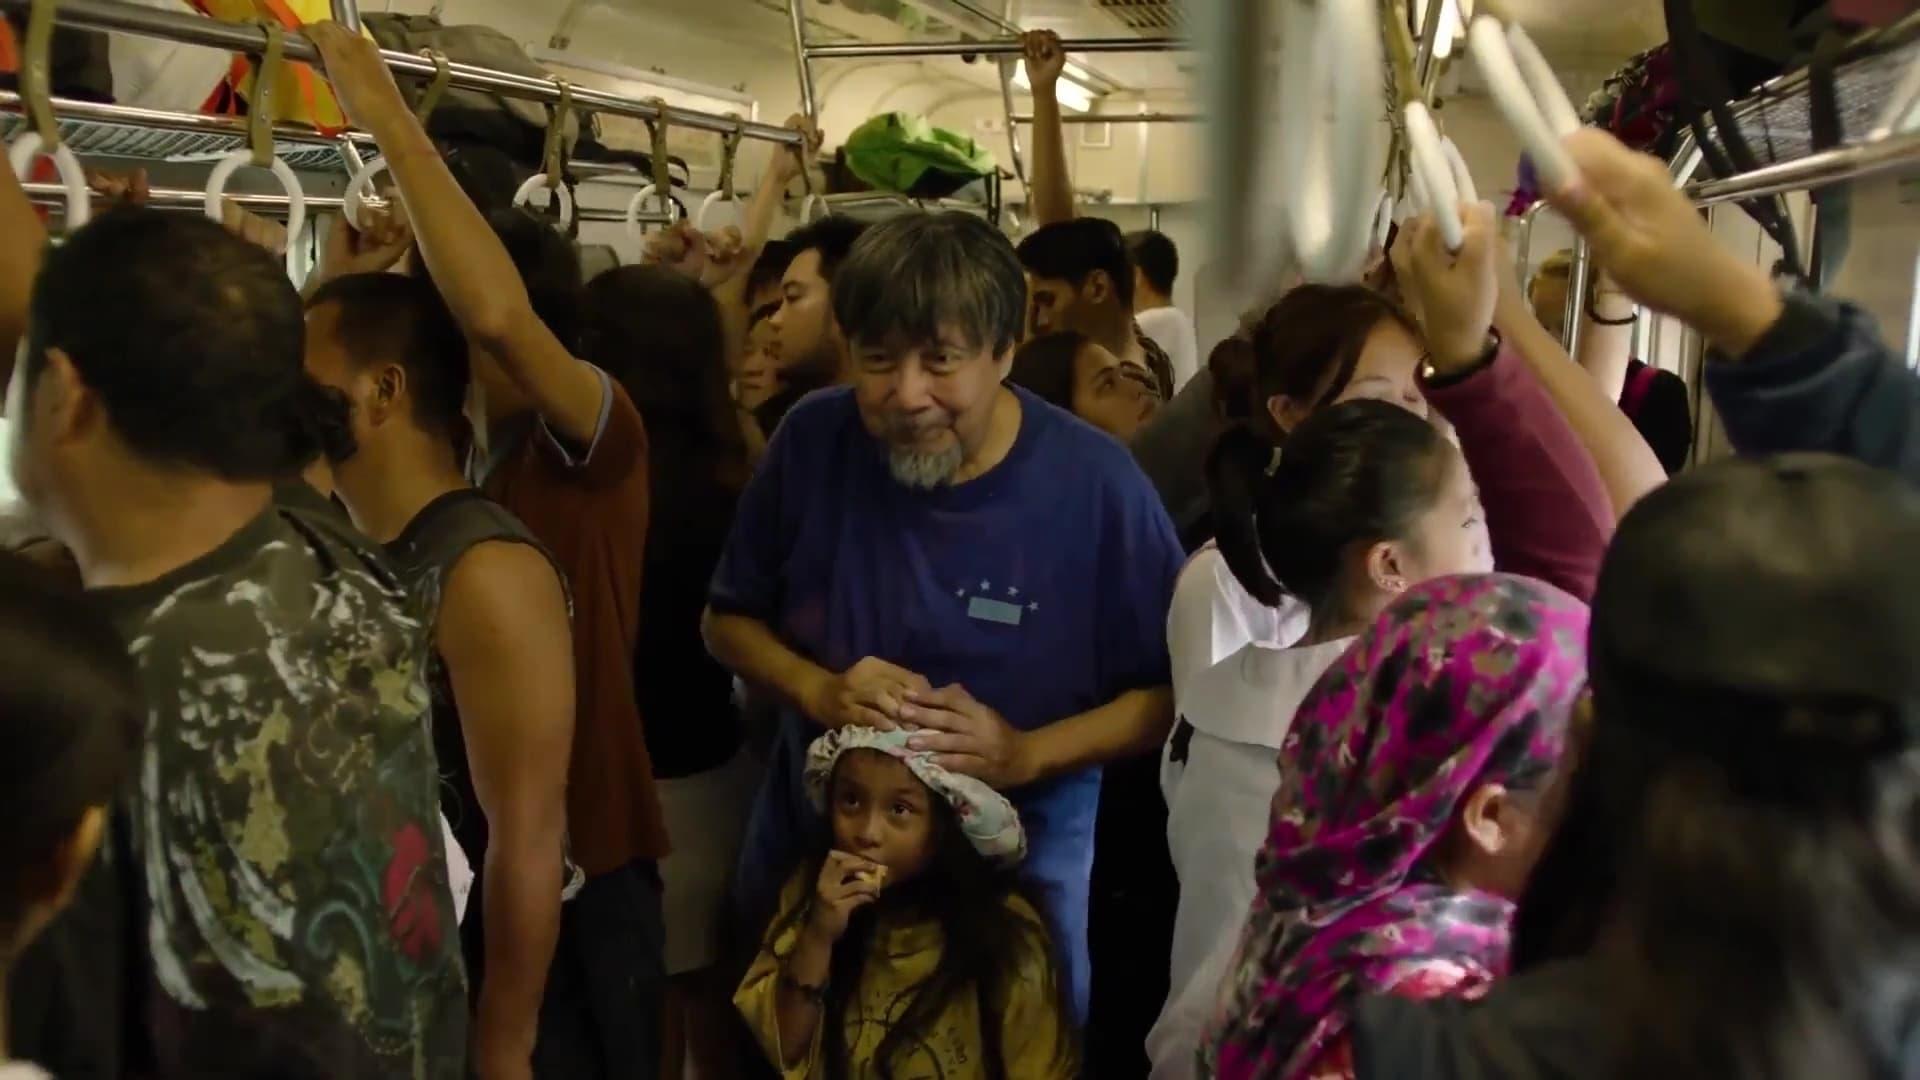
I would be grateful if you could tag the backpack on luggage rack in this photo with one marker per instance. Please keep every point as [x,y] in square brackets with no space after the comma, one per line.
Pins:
[81,69]
[516,127]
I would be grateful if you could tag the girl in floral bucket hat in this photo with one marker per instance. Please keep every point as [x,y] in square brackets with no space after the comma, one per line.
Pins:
[907,948]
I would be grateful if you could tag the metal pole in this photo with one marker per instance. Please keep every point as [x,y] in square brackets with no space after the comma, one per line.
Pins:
[1424,68]
[1000,47]
[802,58]
[185,123]
[1013,129]
[1111,118]
[1846,163]
[1579,271]
[189,29]
[1523,245]
[347,14]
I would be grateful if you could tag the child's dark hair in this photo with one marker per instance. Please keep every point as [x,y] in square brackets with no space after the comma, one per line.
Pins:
[74,714]
[1356,471]
[983,944]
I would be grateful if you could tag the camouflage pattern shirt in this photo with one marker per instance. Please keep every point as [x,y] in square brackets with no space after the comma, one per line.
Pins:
[284,827]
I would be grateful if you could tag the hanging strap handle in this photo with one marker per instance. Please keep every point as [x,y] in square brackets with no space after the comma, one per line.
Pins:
[657,139]
[36,73]
[260,102]
[554,155]
[722,188]
[442,78]
[729,150]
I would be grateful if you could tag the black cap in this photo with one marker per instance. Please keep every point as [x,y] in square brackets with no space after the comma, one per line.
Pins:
[1742,595]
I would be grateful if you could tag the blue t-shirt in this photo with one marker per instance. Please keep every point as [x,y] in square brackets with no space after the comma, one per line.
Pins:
[1041,586]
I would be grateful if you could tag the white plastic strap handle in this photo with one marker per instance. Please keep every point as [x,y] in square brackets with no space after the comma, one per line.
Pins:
[1462,176]
[296,199]
[355,199]
[79,200]
[813,208]
[538,183]
[1330,80]
[705,214]
[634,228]
[1433,177]
[1529,96]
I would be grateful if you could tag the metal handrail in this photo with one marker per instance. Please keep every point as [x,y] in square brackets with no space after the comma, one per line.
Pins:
[1121,118]
[996,47]
[190,29]
[276,205]
[73,110]
[1839,165]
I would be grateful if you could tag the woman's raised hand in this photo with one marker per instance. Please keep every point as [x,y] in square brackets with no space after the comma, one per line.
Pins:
[1454,292]
[1652,241]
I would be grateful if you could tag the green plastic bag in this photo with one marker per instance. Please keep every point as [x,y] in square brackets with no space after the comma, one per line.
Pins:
[903,153]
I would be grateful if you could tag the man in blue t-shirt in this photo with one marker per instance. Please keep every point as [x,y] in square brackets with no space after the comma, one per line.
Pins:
[930,548]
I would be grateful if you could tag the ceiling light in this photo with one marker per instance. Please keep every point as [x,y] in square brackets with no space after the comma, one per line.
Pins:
[1070,94]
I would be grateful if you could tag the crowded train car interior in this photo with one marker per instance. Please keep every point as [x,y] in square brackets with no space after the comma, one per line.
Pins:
[978,539]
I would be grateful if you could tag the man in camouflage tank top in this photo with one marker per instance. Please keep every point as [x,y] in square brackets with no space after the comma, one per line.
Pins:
[293,916]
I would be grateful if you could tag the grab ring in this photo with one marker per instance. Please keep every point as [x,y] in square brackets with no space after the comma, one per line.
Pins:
[538,183]
[296,198]
[79,200]
[1462,176]
[634,228]
[1529,96]
[1328,157]
[355,198]
[1433,176]
[1383,221]
[706,208]
[810,204]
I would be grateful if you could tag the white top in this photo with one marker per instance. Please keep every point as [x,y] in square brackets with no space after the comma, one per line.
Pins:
[1217,822]
[1170,328]
[1212,617]
[1236,686]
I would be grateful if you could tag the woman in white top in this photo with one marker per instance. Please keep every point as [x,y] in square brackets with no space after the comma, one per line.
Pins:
[1366,500]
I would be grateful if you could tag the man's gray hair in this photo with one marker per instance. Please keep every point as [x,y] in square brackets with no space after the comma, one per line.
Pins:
[918,274]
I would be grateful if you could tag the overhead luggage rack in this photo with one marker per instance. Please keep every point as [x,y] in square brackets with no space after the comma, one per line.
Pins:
[117,16]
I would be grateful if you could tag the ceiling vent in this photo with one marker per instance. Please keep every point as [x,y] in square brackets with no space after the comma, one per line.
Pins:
[1146,17]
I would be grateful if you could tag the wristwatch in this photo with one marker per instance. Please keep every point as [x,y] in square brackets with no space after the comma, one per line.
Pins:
[1433,376]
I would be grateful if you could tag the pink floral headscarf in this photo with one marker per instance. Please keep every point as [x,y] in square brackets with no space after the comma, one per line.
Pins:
[1463,682]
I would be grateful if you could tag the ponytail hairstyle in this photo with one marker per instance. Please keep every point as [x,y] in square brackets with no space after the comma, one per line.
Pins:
[1355,472]
[1304,347]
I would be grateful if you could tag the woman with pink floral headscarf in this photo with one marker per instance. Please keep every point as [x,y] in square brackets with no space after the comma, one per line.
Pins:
[1405,821]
